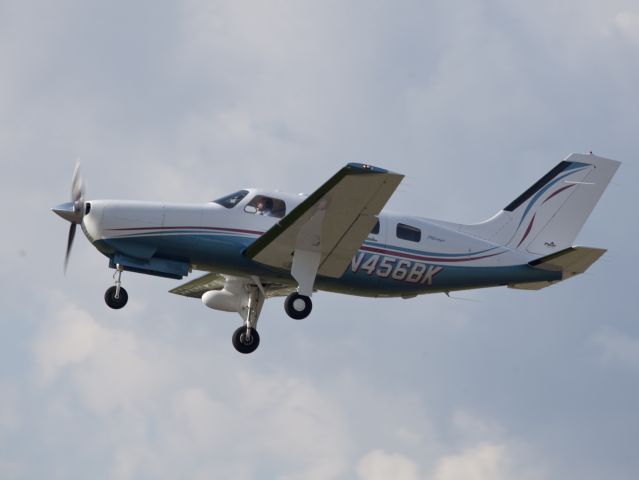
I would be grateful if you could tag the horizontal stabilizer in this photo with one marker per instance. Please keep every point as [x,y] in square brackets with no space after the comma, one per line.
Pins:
[570,262]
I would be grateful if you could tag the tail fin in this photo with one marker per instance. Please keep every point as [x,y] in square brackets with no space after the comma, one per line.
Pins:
[547,217]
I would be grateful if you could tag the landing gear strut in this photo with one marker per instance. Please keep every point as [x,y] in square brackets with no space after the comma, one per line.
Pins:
[116,296]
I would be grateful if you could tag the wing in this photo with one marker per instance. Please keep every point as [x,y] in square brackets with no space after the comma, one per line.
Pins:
[334,220]
[215,281]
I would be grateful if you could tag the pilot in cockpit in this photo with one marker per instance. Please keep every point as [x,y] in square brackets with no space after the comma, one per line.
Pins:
[264,206]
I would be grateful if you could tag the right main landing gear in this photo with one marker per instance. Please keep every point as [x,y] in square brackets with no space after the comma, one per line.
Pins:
[116,296]
[298,306]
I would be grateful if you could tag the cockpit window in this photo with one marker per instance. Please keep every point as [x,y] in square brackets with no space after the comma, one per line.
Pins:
[375,229]
[269,206]
[231,200]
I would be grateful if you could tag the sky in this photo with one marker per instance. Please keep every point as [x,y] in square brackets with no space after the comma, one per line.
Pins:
[189,100]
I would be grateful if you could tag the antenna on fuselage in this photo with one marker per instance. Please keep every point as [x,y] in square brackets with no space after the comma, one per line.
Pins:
[462,298]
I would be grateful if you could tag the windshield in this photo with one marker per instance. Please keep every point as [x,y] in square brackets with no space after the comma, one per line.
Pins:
[229,201]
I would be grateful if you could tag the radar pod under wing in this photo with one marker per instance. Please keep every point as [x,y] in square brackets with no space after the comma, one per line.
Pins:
[570,262]
[334,220]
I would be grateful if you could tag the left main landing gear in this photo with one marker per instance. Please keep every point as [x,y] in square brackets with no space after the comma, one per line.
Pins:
[116,296]
[246,339]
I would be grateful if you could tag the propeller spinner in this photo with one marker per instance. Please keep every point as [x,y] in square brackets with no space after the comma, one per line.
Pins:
[72,211]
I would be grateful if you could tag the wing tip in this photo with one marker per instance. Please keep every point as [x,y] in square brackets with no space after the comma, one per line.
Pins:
[366,168]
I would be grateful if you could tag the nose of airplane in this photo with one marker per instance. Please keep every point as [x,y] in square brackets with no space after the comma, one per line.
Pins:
[69,212]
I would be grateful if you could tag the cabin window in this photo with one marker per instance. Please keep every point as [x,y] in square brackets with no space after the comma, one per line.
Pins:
[406,232]
[375,229]
[267,206]
[229,201]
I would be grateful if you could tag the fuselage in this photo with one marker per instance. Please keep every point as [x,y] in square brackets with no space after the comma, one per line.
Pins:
[402,256]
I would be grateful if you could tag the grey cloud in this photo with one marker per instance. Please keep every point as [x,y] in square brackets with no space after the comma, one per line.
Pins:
[187,100]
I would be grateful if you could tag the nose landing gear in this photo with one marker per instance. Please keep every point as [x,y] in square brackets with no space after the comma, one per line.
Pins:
[116,296]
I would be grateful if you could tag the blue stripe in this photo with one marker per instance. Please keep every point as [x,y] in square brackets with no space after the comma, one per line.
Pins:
[573,169]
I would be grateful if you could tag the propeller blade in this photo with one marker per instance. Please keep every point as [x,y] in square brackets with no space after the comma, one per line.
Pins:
[73,211]
[69,245]
[77,186]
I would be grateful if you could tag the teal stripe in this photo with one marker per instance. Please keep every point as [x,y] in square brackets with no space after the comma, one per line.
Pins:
[425,253]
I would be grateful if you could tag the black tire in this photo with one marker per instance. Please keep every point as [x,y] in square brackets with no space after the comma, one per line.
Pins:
[116,303]
[296,309]
[240,343]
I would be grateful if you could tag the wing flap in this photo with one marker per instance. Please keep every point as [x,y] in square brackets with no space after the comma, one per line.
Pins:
[197,287]
[216,281]
[336,262]
[334,220]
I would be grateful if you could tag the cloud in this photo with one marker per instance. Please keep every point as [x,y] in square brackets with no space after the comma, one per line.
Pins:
[482,462]
[126,381]
[618,349]
[9,411]
[163,410]
[472,428]
[379,465]
[189,100]
[109,367]
[11,470]
[627,23]
[69,339]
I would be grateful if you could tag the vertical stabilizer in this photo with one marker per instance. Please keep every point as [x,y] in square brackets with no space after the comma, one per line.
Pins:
[547,217]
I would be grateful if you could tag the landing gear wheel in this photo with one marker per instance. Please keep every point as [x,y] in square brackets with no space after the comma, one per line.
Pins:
[298,306]
[243,344]
[116,303]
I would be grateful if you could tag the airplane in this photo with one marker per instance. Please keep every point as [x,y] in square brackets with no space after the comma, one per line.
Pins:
[256,244]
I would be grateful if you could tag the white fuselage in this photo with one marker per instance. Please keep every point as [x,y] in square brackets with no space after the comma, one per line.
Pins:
[406,256]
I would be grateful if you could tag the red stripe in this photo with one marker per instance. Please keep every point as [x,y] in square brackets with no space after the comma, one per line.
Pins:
[367,249]
[419,257]
[527,230]
[558,191]
[253,232]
